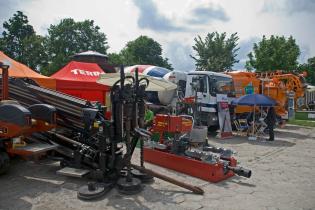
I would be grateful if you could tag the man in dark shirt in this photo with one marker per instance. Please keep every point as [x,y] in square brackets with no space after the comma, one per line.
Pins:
[271,120]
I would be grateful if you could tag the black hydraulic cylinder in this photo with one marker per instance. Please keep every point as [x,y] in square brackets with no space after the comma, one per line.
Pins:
[240,171]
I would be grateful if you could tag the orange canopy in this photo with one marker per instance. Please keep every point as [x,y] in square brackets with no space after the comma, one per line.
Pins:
[19,70]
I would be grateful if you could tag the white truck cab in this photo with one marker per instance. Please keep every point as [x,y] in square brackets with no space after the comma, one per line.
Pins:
[205,85]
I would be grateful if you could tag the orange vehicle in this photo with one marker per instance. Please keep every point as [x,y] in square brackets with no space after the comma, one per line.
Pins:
[274,84]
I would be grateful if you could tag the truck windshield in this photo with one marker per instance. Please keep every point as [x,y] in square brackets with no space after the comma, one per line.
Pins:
[223,85]
[202,83]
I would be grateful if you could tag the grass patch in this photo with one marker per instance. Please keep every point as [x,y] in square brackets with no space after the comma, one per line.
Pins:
[302,122]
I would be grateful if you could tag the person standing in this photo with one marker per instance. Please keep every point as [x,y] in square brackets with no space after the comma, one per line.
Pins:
[148,117]
[271,120]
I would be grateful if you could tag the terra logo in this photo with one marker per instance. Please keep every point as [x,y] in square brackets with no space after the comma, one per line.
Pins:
[86,73]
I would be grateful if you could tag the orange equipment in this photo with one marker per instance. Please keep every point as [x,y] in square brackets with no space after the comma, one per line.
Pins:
[18,122]
[171,124]
[274,84]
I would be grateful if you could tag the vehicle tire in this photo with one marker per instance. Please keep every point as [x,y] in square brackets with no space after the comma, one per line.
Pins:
[4,162]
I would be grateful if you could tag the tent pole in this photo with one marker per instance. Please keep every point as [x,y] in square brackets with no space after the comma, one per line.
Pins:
[254,117]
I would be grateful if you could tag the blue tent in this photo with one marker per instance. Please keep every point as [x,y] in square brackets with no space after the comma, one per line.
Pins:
[254,100]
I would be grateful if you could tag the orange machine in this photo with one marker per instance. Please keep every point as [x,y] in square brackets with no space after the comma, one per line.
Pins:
[242,80]
[17,122]
[172,124]
[274,84]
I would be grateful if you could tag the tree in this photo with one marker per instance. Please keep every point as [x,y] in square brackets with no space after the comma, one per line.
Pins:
[20,41]
[34,52]
[276,53]
[144,50]
[115,59]
[309,67]
[216,52]
[70,37]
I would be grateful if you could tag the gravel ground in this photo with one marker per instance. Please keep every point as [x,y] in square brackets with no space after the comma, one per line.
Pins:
[283,178]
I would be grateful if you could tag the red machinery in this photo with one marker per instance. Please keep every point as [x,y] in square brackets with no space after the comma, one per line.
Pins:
[171,124]
[180,154]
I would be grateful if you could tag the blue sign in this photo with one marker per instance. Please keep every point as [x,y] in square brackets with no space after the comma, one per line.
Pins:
[249,89]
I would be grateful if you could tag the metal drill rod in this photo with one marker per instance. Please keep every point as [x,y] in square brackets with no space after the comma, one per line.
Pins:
[65,138]
[141,120]
[194,189]
[141,152]
[127,104]
[122,83]
[136,80]
[128,125]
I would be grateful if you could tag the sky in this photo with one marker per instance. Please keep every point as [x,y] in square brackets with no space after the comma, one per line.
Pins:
[175,23]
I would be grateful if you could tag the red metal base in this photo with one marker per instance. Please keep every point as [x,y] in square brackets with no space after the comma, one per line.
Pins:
[195,168]
[226,135]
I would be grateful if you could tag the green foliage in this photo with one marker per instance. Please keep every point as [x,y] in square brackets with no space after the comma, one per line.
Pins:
[35,55]
[115,59]
[309,67]
[276,53]
[20,42]
[311,70]
[66,38]
[216,52]
[144,50]
[70,37]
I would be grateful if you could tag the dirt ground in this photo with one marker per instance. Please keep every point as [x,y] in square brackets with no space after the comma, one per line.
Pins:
[283,178]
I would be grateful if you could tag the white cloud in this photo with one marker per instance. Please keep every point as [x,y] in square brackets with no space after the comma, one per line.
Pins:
[179,55]
[206,12]
[119,20]
[246,47]
[151,18]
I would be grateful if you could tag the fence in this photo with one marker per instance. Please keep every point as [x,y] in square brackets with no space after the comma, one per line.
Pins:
[309,97]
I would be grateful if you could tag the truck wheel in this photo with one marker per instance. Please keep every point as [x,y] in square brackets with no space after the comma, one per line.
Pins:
[4,162]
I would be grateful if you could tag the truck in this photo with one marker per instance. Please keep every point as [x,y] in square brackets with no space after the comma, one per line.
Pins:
[204,86]
[209,85]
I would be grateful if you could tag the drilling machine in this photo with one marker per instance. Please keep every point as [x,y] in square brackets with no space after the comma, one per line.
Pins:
[90,145]
[18,122]
[112,167]
[99,152]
